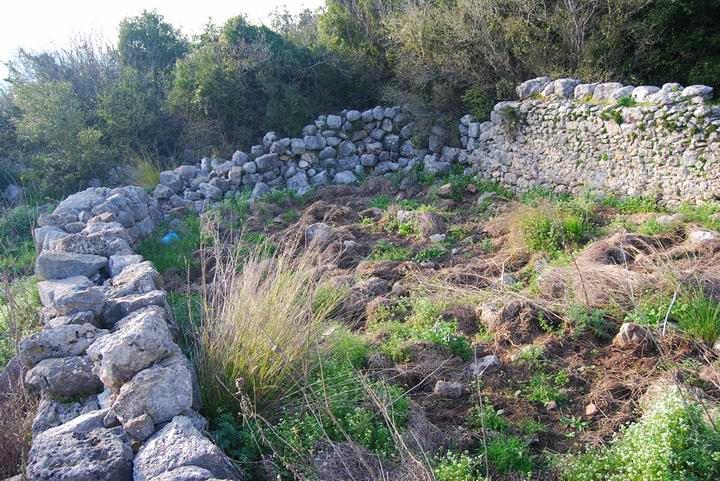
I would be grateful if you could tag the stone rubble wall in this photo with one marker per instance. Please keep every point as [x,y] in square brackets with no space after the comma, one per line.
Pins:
[573,137]
[335,149]
[119,400]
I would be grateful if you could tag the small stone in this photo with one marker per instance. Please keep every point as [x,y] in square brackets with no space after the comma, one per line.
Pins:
[551,405]
[591,410]
[452,390]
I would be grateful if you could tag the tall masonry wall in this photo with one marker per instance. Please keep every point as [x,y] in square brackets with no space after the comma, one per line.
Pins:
[572,137]
[119,400]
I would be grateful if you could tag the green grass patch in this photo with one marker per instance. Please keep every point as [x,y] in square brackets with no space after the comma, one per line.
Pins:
[508,454]
[423,322]
[431,253]
[487,417]
[387,251]
[632,205]
[458,467]
[180,254]
[17,249]
[19,315]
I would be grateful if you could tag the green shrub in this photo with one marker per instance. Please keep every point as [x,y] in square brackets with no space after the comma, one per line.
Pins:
[671,441]
[187,309]
[180,254]
[387,251]
[336,403]
[589,320]
[544,387]
[706,214]
[553,230]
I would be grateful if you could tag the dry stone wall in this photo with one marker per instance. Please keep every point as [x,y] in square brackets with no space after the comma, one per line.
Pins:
[572,137]
[120,401]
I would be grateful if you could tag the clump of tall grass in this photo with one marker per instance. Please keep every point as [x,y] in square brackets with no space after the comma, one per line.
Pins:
[260,329]
[146,172]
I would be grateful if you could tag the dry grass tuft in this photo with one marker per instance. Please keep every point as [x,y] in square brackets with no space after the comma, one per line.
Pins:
[263,316]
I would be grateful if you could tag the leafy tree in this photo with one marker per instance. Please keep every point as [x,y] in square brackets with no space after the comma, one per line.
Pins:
[65,151]
[149,44]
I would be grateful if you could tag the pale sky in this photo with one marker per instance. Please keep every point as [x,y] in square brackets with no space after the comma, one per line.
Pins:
[39,24]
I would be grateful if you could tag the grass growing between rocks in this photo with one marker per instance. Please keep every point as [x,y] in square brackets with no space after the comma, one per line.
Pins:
[179,254]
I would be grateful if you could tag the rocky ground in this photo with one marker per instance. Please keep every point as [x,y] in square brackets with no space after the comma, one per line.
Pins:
[550,315]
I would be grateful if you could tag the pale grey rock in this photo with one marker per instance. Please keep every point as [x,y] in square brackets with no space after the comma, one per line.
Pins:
[314,142]
[565,87]
[621,92]
[697,236]
[71,295]
[52,413]
[346,177]
[299,183]
[118,262]
[353,115]
[531,87]
[185,473]
[643,93]
[436,167]
[319,233]
[62,341]
[176,445]
[63,377]
[97,455]
[260,190]
[119,307]
[46,233]
[452,390]
[210,192]
[59,265]
[136,278]
[703,91]
[602,91]
[267,162]
[162,392]
[142,339]
[333,122]
[171,180]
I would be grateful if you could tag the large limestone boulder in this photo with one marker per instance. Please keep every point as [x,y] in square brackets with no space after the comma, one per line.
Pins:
[117,308]
[52,413]
[61,341]
[59,265]
[531,87]
[161,392]
[176,445]
[136,278]
[185,473]
[72,295]
[64,377]
[95,455]
[142,339]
